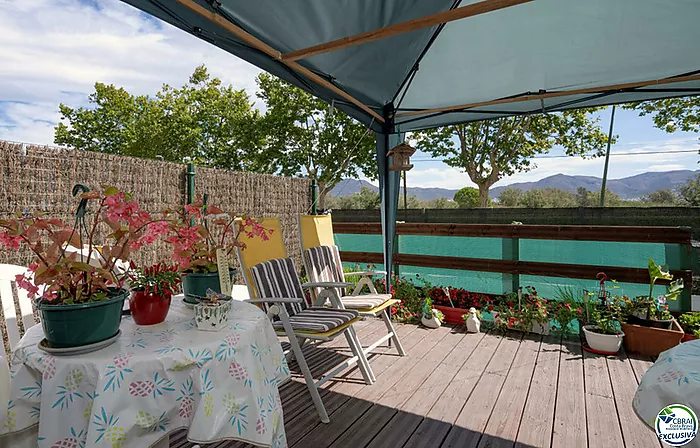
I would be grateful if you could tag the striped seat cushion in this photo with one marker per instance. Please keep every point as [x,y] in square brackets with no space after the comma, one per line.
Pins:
[319,320]
[278,279]
[323,265]
[363,302]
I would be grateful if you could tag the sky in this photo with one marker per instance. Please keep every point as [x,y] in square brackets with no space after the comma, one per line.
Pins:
[53,51]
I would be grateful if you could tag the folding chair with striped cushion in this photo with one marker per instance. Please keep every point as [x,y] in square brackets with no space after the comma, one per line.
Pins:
[277,283]
[323,265]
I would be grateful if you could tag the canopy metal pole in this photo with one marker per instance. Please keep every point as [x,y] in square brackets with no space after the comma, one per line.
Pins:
[607,159]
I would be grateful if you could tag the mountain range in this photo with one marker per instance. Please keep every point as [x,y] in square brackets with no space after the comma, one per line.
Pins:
[632,187]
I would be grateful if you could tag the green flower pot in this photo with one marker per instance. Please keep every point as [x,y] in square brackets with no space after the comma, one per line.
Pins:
[82,323]
[195,285]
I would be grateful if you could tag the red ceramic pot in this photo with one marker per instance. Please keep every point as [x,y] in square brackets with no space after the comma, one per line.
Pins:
[452,315]
[149,309]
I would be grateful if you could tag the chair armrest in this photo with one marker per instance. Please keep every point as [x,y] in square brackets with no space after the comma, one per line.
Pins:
[273,300]
[365,273]
[326,285]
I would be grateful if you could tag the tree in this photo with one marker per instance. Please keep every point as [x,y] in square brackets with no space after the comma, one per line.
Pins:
[490,150]
[558,198]
[690,192]
[205,121]
[533,199]
[671,114]
[586,198]
[306,136]
[441,203]
[510,197]
[365,199]
[663,196]
[467,197]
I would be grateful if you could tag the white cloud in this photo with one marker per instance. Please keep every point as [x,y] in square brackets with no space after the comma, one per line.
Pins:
[54,51]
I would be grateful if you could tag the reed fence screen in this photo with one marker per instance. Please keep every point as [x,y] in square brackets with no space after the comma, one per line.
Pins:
[40,179]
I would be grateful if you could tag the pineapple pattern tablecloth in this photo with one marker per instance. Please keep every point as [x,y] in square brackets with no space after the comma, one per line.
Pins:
[673,379]
[152,381]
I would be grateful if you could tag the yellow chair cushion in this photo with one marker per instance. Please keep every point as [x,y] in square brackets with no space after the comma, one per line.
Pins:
[258,251]
[315,230]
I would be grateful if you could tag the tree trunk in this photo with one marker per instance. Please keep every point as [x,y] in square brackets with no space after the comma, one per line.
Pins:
[322,192]
[484,195]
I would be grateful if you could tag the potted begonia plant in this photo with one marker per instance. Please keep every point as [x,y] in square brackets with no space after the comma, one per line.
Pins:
[603,331]
[199,233]
[152,289]
[80,294]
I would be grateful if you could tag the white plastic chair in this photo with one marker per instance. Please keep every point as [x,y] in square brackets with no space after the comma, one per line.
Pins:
[8,272]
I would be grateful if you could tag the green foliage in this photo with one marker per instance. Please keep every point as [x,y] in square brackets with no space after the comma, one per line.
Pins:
[690,192]
[490,150]
[211,124]
[608,317]
[365,199]
[690,323]
[533,199]
[304,135]
[664,196]
[586,198]
[568,308]
[467,197]
[671,114]
[510,197]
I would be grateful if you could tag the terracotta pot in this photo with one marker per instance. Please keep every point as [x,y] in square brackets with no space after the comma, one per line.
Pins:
[452,315]
[149,309]
[649,341]
[688,337]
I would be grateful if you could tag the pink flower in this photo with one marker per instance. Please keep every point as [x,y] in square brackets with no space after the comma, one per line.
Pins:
[26,284]
[11,242]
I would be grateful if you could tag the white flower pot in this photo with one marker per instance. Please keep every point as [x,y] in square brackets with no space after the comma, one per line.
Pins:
[603,342]
[212,316]
[433,322]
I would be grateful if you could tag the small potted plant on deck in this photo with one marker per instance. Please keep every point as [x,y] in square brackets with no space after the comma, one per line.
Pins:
[201,233]
[603,333]
[151,291]
[431,317]
[80,294]
[650,329]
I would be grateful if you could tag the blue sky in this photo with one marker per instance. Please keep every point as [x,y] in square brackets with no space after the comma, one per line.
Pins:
[54,50]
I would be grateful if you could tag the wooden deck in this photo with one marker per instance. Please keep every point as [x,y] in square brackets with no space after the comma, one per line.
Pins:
[468,390]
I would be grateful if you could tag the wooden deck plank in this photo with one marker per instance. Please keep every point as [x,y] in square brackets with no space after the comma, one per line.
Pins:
[410,384]
[536,422]
[433,389]
[402,366]
[365,428]
[602,426]
[502,427]
[458,391]
[397,432]
[624,384]
[570,411]
[429,433]
[476,412]
[323,435]
[640,364]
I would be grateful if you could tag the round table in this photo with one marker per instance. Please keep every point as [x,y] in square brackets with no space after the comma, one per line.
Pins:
[155,380]
[673,379]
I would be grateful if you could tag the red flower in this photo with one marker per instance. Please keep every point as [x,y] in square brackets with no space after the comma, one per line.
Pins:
[490,308]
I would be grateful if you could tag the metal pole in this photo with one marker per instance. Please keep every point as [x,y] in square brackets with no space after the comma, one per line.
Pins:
[607,159]
[190,186]
[405,198]
[314,197]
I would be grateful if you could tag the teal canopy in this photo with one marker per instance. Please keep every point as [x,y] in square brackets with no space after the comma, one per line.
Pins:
[448,61]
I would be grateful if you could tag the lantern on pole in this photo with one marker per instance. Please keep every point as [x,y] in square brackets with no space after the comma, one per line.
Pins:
[401,157]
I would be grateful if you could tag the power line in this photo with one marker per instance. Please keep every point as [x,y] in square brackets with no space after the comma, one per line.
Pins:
[566,156]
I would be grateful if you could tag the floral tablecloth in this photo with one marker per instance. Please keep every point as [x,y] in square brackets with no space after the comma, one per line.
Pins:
[154,380]
[673,379]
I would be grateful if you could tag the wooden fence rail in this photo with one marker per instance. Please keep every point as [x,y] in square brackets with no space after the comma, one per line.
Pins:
[512,265]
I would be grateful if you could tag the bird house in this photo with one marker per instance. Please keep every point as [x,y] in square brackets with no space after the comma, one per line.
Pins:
[401,157]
